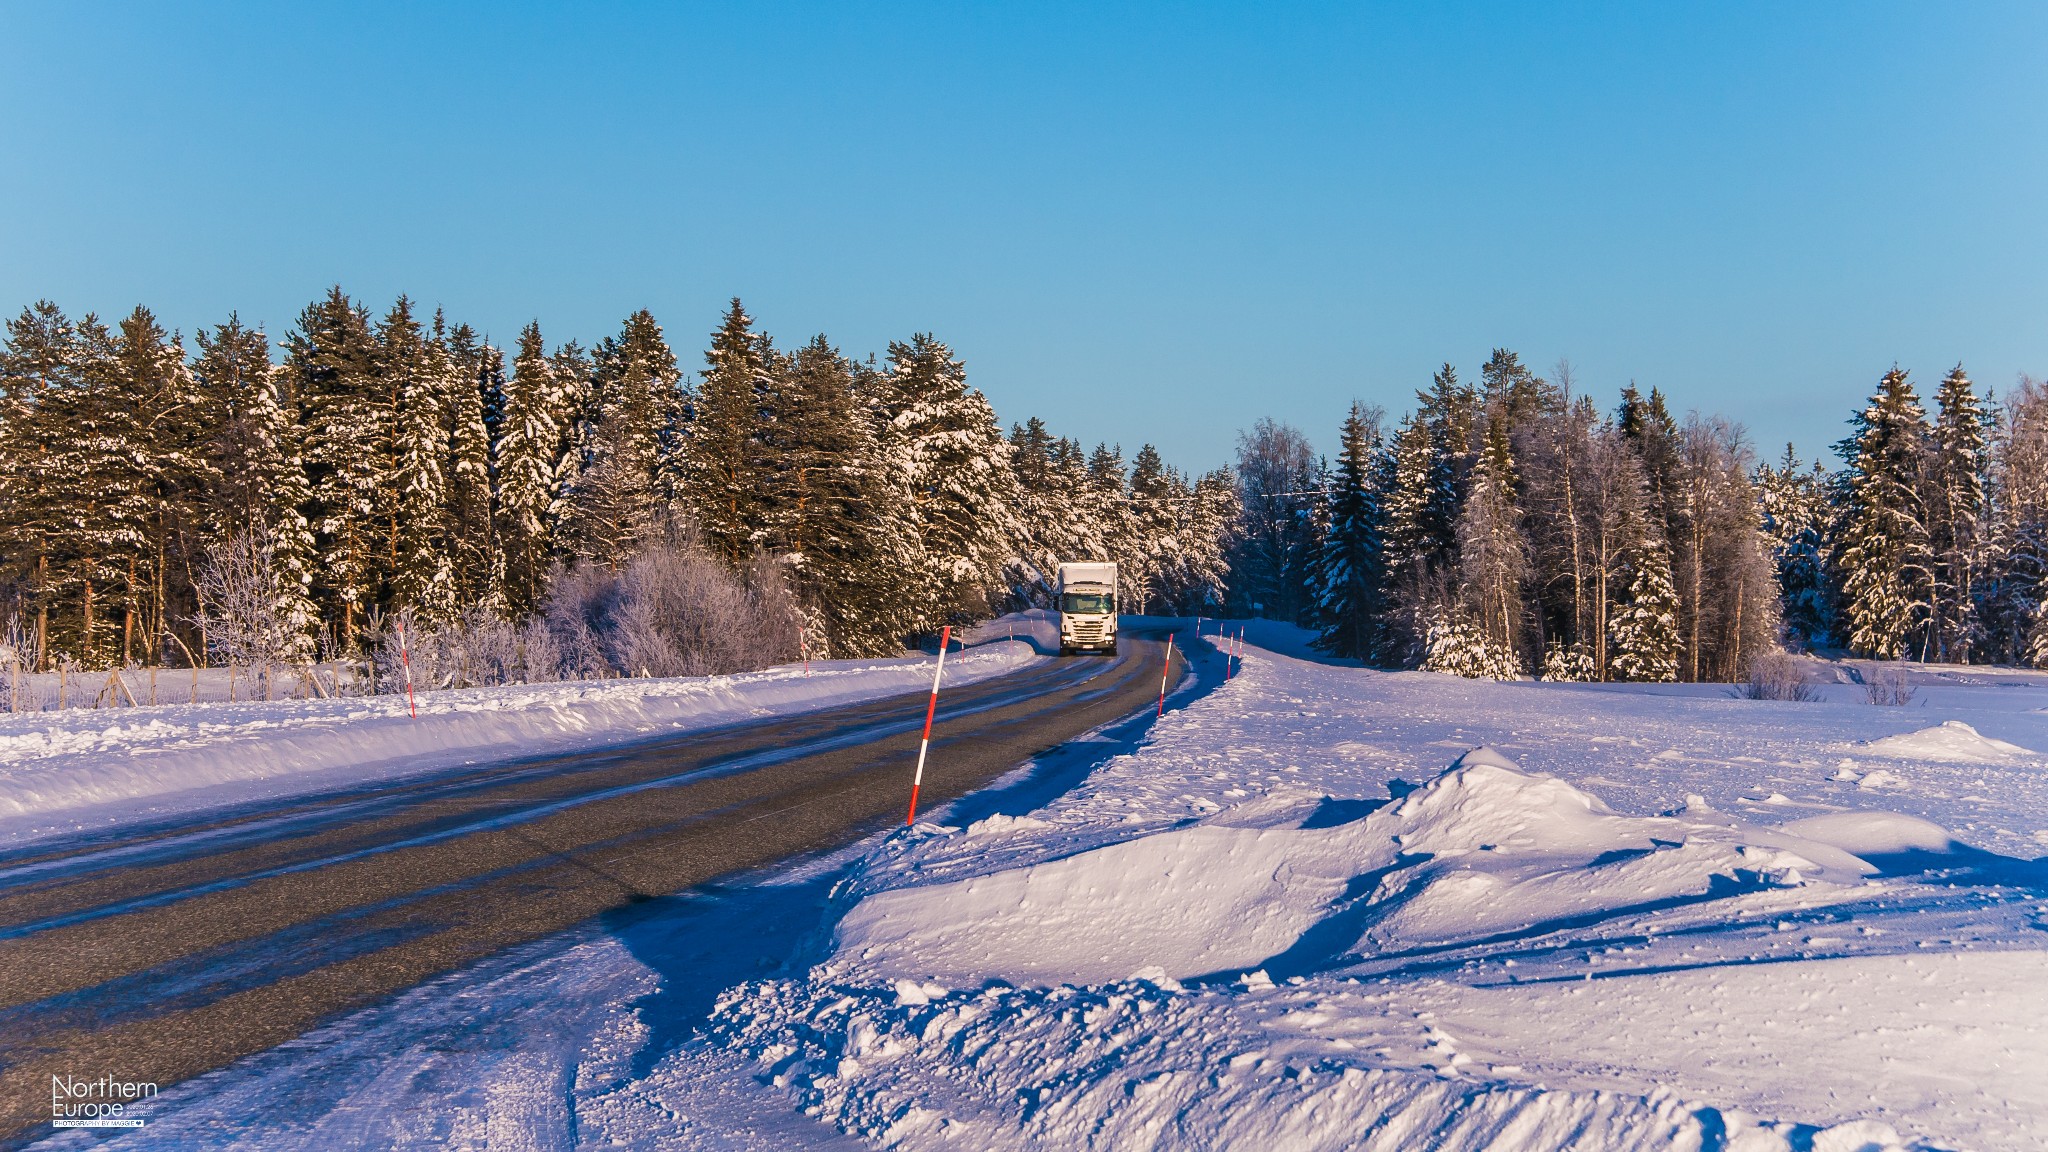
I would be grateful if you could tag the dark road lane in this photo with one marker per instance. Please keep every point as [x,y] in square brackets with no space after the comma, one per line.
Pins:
[167,953]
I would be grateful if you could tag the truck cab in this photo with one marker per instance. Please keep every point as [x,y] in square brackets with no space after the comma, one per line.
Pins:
[1087,608]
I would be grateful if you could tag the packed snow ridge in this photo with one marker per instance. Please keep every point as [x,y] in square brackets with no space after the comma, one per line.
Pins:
[1484,850]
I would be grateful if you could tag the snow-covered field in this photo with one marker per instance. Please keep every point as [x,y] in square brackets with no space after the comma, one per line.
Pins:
[1316,907]
[79,769]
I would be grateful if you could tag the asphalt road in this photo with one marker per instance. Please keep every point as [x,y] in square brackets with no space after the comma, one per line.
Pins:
[177,949]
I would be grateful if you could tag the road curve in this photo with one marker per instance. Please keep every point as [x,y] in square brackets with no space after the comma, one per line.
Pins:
[171,951]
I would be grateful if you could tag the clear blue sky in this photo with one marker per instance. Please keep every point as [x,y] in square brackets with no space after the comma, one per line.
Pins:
[1142,223]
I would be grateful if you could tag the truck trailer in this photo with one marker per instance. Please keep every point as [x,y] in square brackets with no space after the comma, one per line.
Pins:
[1087,606]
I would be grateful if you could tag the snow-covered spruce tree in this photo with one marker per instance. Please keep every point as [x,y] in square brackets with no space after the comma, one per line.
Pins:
[728,469]
[1643,640]
[1450,411]
[1795,509]
[942,440]
[1956,506]
[1573,665]
[330,376]
[476,388]
[1414,580]
[1352,576]
[1885,553]
[1456,645]
[1647,425]
[1492,557]
[417,371]
[827,491]
[262,489]
[626,468]
[525,460]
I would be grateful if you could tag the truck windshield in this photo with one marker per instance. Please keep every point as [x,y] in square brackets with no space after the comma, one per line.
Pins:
[1088,603]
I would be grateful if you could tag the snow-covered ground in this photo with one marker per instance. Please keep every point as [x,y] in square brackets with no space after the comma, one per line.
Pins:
[1316,907]
[78,769]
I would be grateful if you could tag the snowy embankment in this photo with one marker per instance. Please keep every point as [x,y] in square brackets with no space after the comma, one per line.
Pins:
[63,771]
[1308,914]
[1314,908]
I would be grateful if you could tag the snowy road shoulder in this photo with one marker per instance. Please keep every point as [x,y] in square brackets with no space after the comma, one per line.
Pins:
[66,771]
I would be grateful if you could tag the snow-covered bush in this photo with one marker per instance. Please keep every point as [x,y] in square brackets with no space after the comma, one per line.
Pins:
[1568,665]
[1454,645]
[242,597]
[1778,676]
[477,649]
[672,610]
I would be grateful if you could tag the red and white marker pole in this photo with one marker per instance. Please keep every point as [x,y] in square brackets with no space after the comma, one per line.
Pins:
[405,659]
[930,709]
[1164,672]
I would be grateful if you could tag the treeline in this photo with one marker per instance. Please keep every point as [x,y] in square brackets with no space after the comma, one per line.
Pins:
[399,467]
[1515,528]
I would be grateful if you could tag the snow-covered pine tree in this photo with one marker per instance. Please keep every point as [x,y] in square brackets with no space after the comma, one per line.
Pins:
[1155,499]
[942,438]
[1352,575]
[1956,506]
[1107,531]
[1203,582]
[730,479]
[526,460]
[1041,518]
[331,378]
[262,487]
[476,388]
[1885,553]
[415,370]
[828,489]
[104,514]
[38,361]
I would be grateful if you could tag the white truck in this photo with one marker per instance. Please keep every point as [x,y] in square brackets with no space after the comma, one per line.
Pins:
[1087,605]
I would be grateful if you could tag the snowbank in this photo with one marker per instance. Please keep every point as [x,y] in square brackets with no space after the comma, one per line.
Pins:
[59,770]
[1948,740]
[1484,849]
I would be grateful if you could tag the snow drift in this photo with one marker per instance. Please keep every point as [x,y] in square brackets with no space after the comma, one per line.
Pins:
[1485,849]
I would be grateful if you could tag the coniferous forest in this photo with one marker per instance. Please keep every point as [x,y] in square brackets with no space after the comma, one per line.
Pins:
[575,511]
[603,511]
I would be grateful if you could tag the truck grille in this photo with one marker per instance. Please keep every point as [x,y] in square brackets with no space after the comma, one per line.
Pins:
[1086,633]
